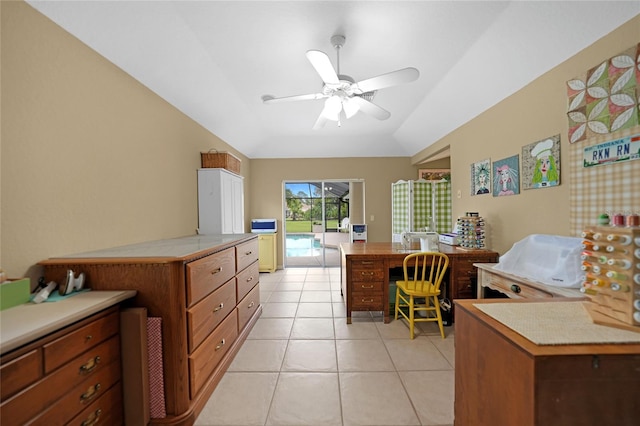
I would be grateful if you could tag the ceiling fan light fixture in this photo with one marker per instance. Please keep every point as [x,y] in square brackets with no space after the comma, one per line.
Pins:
[342,93]
[332,108]
[350,108]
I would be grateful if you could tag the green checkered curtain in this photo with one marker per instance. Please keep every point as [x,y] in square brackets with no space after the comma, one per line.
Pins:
[442,215]
[399,207]
[421,204]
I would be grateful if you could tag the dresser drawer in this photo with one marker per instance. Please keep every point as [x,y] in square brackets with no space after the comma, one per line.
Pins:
[205,316]
[73,344]
[246,253]
[247,279]
[20,373]
[26,405]
[248,306]
[367,302]
[77,399]
[206,274]
[205,359]
[107,410]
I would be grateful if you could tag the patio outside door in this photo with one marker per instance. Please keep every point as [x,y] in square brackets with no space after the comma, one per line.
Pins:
[316,216]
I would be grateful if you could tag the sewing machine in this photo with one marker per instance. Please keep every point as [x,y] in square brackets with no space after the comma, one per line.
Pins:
[428,240]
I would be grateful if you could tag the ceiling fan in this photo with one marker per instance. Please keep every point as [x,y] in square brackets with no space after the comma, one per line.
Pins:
[341,92]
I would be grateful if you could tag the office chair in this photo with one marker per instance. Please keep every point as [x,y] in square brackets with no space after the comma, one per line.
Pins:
[423,273]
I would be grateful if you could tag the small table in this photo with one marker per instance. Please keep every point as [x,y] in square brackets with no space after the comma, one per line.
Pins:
[364,273]
[504,379]
[516,287]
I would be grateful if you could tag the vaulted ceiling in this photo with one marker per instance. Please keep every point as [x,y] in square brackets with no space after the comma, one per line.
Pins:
[215,60]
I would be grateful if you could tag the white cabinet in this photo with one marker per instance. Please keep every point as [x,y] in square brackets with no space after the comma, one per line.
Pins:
[220,202]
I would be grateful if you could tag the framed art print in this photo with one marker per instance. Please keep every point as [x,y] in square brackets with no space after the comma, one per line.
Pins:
[434,174]
[506,177]
[481,177]
[541,163]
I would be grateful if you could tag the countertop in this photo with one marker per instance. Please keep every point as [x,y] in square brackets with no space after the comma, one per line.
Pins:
[25,323]
[170,248]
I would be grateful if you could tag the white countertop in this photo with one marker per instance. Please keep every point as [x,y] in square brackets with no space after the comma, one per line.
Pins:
[172,247]
[25,323]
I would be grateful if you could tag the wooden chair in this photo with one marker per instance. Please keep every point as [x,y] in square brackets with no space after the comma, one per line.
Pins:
[423,274]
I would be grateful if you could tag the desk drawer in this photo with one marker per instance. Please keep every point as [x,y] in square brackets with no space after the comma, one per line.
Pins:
[367,301]
[515,290]
[366,274]
[207,274]
[368,287]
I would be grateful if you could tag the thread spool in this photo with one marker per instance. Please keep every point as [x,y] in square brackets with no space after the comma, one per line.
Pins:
[618,220]
[603,219]
[633,220]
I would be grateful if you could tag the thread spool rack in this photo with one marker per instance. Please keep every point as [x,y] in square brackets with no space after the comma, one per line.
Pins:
[611,265]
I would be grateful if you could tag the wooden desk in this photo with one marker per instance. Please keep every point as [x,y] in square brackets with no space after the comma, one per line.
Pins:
[503,379]
[364,273]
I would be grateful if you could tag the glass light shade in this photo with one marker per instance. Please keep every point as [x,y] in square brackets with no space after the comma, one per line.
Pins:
[350,108]
[332,108]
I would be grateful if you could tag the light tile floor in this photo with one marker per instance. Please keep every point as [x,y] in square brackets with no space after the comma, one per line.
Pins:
[303,365]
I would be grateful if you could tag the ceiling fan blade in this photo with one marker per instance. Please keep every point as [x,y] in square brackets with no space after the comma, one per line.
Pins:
[322,64]
[394,78]
[268,99]
[370,108]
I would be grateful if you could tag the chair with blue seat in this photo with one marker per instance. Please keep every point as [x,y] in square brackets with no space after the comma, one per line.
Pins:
[422,276]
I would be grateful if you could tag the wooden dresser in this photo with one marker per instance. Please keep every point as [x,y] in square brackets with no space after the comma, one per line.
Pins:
[61,363]
[205,290]
[504,379]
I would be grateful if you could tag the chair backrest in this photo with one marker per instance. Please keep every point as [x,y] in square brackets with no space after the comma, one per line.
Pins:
[425,269]
[345,222]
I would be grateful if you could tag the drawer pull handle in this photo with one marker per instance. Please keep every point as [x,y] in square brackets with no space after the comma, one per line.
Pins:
[366,286]
[251,304]
[367,300]
[91,393]
[367,262]
[247,253]
[93,418]
[217,308]
[250,278]
[215,271]
[221,344]
[90,365]
[515,288]
[88,338]
[370,273]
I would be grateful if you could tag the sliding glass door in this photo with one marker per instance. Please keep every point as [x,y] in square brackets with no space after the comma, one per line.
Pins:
[316,221]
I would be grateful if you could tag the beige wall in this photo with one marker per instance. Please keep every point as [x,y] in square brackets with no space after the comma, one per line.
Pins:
[537,111]
[378,174]
[90,157]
